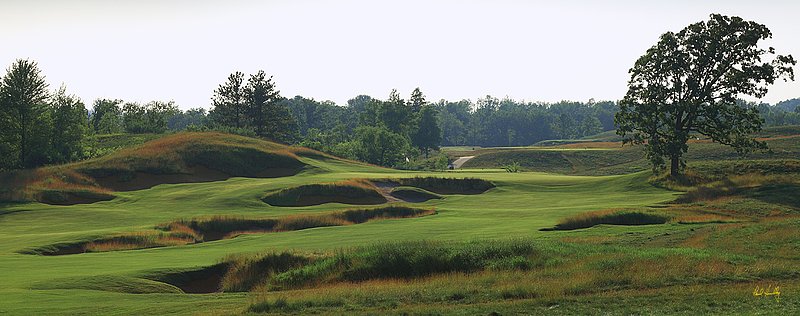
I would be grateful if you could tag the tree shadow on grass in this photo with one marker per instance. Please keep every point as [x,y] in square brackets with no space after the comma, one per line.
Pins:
[787,194]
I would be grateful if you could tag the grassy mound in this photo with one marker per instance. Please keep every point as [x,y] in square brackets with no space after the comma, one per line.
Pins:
[773,189]
[216,228]
[605,155]
[178,158]
[566,161]
[128,241]
[51,185]
[191,157]
[408,260]
[109,283]
[358,192]
[200,230]
[413,195]
[446,185]
[402,260]
[611,217]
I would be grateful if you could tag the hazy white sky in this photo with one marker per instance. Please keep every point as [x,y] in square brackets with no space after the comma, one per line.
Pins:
[334,50]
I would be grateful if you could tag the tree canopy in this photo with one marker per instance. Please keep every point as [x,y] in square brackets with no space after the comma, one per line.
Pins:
[23,106]
[689,82]
[255,105]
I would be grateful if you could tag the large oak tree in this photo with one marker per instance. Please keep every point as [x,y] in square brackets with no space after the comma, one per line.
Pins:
[689,82]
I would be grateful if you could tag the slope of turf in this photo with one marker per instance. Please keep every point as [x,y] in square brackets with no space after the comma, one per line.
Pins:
[178,158]
[345,192]
[183,232]
[413,194]
[589,157]
[630,269]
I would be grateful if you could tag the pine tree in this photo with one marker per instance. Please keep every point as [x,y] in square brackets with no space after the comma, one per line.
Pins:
[417,101]
[23,114]
[228,102]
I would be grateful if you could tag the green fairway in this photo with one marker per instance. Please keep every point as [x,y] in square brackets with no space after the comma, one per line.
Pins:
[520,205]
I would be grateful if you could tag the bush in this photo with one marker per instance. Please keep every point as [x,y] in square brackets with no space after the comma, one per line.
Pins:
[512,167]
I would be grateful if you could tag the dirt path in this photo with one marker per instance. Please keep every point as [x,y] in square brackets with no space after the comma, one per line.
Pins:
[385,189]
[460,161]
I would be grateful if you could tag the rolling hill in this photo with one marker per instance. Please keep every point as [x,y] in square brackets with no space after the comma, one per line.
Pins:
[209,223]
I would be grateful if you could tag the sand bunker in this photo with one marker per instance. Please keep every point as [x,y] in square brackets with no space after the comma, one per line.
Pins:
[358,192]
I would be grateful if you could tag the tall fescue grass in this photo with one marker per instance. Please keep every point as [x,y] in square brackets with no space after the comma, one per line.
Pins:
[734,185]
[248,272]
[385,276]
[407,260]
[349,192]
[127,241]
[177,154]
[611,217]
[220,227]
[182,232]
[51,185]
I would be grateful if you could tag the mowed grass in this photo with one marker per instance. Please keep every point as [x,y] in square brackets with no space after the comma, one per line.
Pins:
[571,270]
[520,205]
[608,157]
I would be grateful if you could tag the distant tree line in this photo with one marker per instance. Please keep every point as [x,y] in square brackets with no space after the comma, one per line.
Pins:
[44,127]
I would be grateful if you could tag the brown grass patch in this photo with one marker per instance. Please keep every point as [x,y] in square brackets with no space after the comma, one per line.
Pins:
[177,158]
[610,216]
[591,145]
[591,239]
[200,230]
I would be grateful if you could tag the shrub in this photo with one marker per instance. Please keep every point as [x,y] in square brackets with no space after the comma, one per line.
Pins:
[512,167]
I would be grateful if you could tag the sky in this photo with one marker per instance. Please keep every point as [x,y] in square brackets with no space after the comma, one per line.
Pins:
[182,50]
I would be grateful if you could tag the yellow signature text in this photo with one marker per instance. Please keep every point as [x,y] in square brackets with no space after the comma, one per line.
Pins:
[765,292]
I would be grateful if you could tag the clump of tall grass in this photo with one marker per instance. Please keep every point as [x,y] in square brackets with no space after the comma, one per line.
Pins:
[127,241]
[182,232]
[220,227]
[348,192]
[140,240]
[612,217]
[447,185]
[733,185]
[247,272]
[407,260]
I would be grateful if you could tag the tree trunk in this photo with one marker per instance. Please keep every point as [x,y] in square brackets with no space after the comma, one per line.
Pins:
[23,145]
[674,169]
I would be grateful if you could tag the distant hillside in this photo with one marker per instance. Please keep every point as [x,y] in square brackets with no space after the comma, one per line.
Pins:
[178,158]
[599,155]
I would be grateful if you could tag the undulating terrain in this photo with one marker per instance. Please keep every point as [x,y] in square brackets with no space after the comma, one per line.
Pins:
[216,224]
